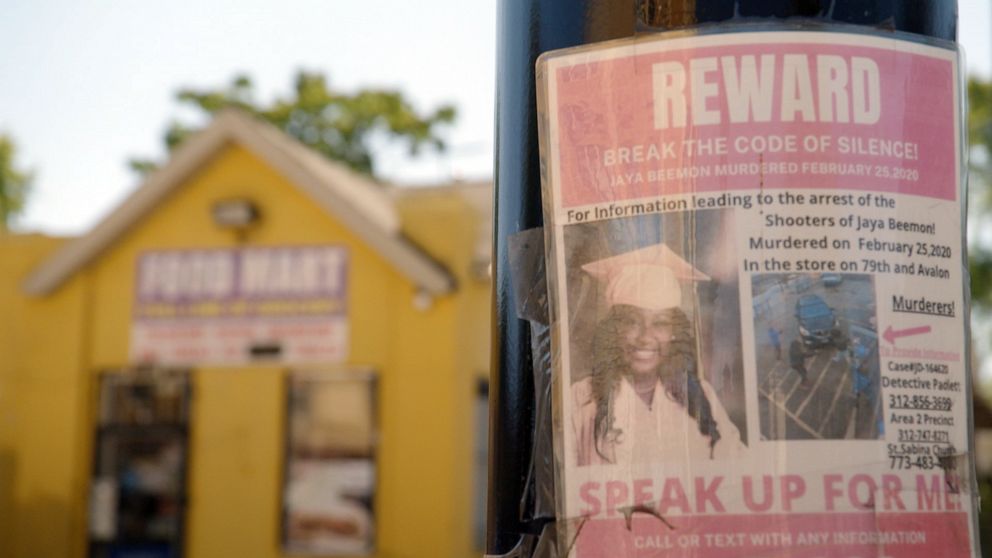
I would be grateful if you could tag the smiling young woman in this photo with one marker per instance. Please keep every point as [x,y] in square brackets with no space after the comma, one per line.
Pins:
[645,400]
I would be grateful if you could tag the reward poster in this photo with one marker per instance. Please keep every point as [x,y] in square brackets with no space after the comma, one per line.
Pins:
[756,261]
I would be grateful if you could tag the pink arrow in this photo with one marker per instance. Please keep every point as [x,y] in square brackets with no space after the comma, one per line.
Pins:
[891,335]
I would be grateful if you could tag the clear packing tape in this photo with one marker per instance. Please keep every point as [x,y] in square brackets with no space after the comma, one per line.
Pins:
[527,270]
[757,346]
[537,504]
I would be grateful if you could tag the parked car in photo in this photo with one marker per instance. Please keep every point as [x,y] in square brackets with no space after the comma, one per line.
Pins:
[816,319]
[831,279]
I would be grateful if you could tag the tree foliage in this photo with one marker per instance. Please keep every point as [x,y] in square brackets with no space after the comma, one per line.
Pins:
[15,184]
[980,137]
[340,126]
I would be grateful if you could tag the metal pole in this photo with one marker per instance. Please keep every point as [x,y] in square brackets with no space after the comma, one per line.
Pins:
[525,29]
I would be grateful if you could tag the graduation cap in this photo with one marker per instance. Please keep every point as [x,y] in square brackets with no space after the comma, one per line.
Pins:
[650,277]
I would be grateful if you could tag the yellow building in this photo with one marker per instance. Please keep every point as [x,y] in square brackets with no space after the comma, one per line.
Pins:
[354,346]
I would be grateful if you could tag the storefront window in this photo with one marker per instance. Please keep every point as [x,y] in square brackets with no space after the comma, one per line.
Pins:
[330,467]
[137,503]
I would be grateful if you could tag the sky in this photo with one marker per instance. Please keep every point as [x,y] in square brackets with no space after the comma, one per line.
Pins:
[87,85]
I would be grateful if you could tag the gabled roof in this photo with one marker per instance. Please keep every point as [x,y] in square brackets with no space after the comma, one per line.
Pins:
[353,200]
[478,195]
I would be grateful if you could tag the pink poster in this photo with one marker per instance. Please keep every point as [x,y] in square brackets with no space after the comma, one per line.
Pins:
[758,285]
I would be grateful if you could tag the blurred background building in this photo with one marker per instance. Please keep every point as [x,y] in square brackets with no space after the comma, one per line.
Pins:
[258,353]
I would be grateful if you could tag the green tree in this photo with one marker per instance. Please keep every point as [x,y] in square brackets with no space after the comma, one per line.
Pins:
[340,126]
[15,184]
[980,215]
[980,138]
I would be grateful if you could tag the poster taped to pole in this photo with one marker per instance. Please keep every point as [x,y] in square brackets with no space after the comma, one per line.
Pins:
[757,279]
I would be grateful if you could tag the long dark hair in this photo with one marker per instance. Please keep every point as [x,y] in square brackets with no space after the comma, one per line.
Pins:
[679,374]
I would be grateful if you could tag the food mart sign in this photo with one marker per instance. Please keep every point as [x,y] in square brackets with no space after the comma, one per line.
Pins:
[240,305]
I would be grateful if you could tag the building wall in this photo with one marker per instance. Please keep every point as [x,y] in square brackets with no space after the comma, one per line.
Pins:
[41,397]
[431,215]
[425,357]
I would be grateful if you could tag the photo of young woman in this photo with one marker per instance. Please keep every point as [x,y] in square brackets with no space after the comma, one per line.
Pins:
[643,396]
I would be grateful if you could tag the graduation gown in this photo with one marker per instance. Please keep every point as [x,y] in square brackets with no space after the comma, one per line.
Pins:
[659,433]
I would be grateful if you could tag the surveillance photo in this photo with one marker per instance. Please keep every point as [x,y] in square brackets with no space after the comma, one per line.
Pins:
[816,352]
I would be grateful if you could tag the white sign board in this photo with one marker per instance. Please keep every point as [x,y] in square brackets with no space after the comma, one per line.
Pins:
[235,306]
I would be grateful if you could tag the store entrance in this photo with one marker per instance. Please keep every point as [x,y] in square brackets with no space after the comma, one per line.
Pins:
[138,488]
